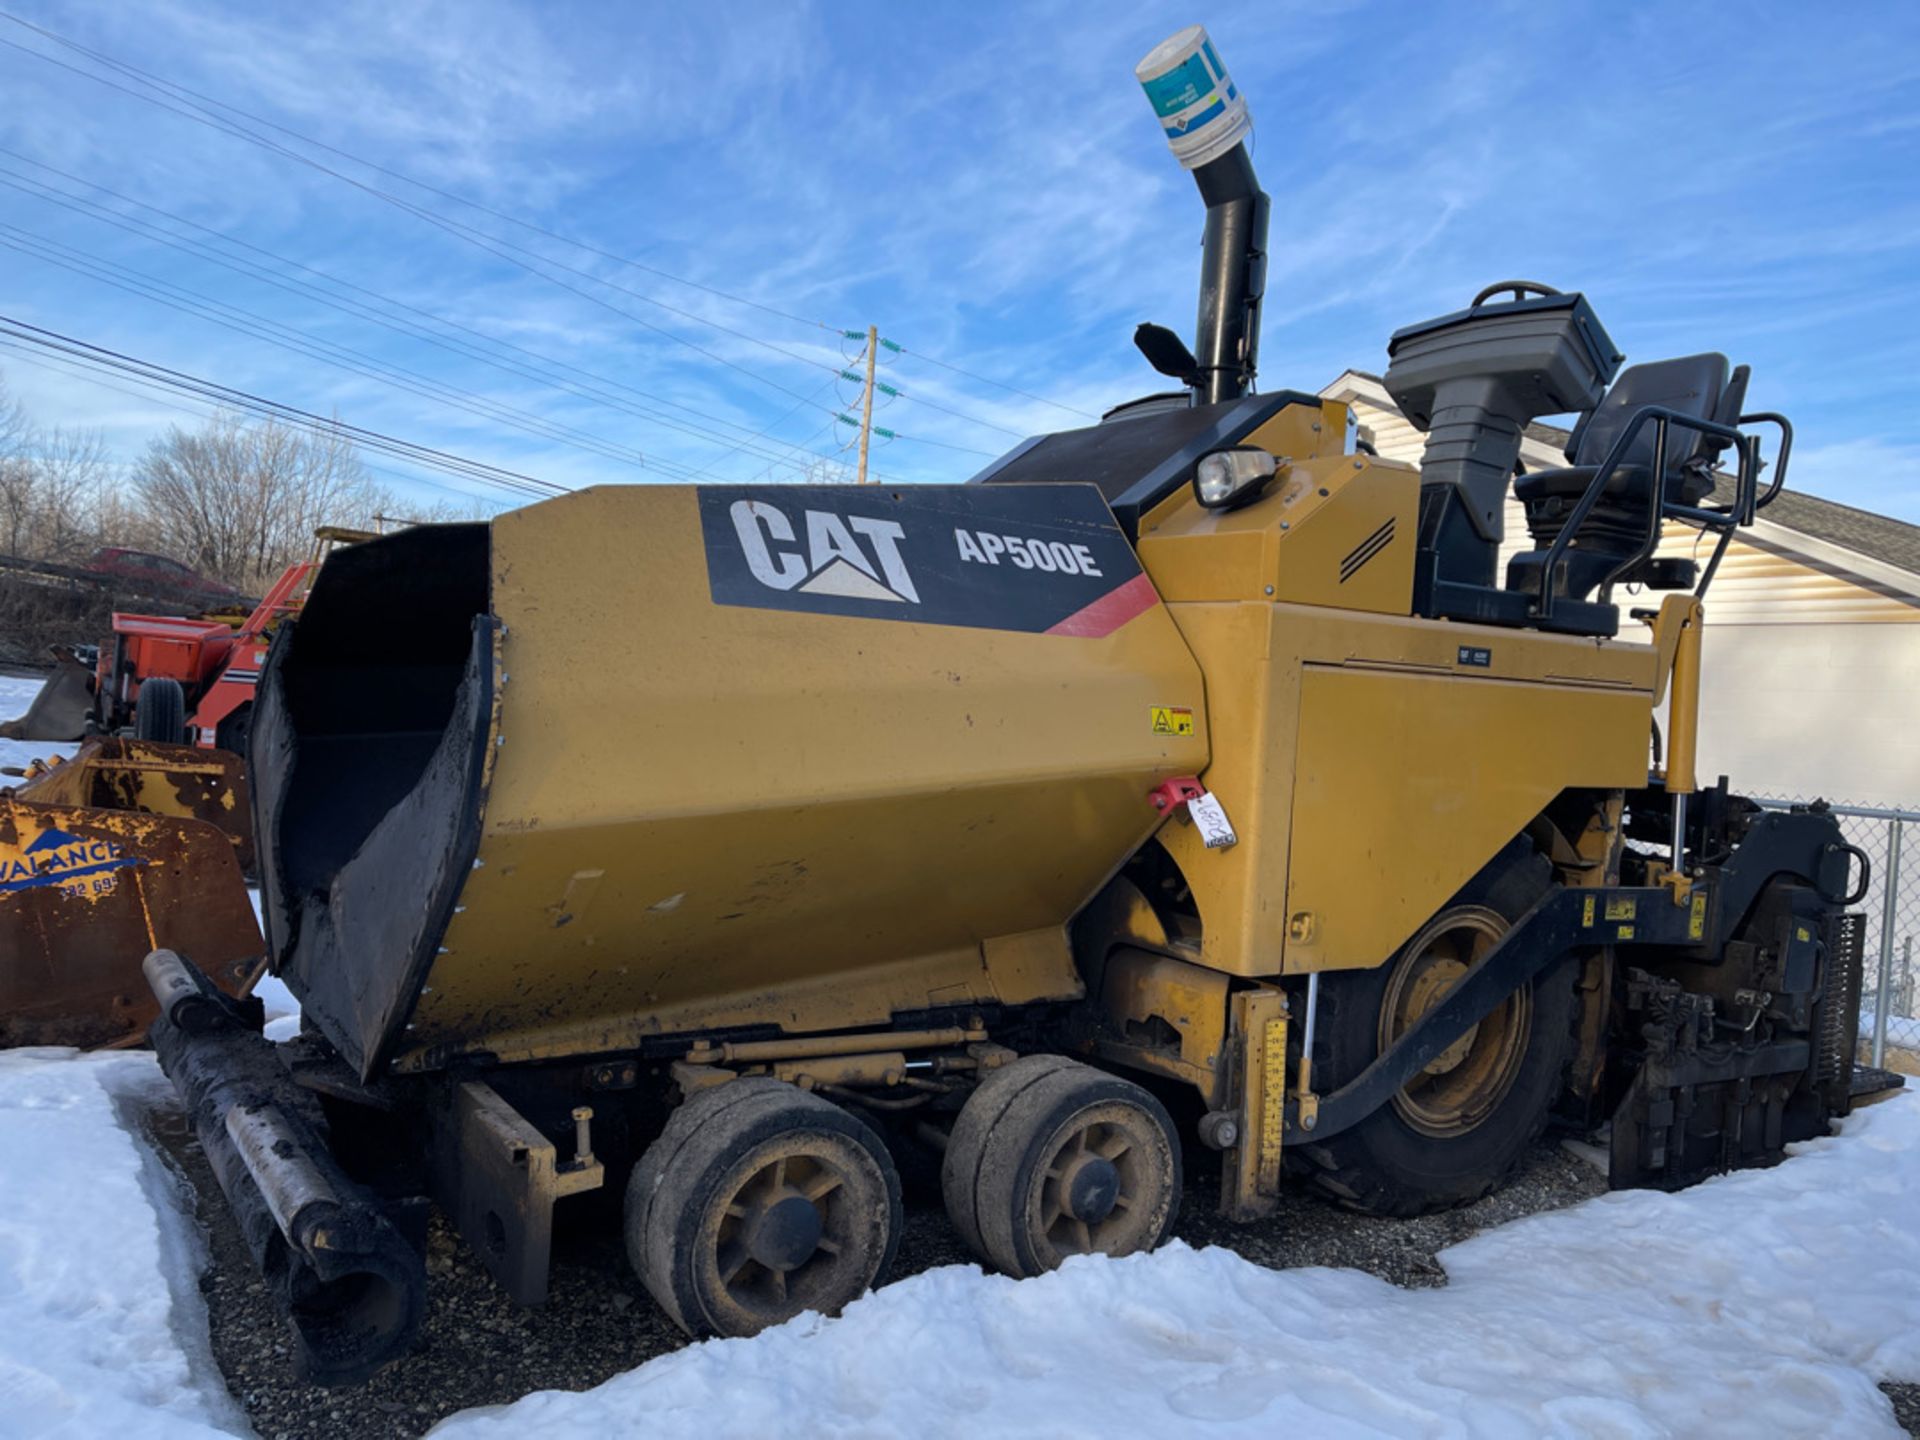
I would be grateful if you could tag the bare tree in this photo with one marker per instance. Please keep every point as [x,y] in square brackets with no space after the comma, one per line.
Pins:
[16,473]
[52,483]
[240,501]
[72,476]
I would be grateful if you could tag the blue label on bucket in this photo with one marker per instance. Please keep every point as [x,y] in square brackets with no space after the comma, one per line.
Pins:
[80,865]
[1182,87]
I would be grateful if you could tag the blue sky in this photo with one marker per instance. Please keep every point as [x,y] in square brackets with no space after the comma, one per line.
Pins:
[985,183]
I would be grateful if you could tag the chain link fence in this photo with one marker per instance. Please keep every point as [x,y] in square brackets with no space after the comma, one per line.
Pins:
[1890,988]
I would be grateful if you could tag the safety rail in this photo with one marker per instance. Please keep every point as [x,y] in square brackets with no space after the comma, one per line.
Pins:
[1746,503]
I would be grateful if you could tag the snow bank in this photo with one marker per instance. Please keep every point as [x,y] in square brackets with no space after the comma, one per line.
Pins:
[99,1311]
[1761,1303]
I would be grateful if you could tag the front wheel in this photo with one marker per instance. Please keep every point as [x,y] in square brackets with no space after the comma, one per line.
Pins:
[1460,1126]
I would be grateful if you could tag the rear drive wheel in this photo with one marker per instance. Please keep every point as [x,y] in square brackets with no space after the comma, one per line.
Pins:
[1060,1159]
[1460,1126]
[757,1202]
[160,711]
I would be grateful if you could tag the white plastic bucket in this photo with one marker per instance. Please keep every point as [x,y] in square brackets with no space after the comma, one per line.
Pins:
[1203,115]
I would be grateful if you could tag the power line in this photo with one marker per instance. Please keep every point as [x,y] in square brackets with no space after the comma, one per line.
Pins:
[356,362]
[101,358]
[155,397]
[998,384]
[511,219]
[127,67]
[464,349]
[480,238]
[788,415]
[455,228]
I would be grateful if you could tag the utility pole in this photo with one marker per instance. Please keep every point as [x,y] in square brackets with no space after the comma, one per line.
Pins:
[866,404]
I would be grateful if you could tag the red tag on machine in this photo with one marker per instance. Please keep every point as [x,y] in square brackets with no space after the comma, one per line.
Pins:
[1203,809]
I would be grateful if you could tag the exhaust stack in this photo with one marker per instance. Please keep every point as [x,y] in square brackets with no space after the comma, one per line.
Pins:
[1206,123]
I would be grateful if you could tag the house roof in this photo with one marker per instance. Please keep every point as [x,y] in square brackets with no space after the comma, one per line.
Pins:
[1548,435]
[1890,541]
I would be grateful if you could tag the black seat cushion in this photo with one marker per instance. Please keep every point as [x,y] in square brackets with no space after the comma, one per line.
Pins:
[1571,481]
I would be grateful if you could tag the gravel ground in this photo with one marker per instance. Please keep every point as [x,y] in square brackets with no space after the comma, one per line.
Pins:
[480,1350]
[1906,1405]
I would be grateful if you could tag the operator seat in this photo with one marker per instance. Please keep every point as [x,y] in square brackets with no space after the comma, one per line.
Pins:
[1616,528]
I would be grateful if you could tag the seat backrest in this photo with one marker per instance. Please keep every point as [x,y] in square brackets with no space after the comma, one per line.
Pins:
[1692,384]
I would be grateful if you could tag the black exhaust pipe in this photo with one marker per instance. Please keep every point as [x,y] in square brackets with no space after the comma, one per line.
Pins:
[1233,276]
[1206,123]
[350,1285]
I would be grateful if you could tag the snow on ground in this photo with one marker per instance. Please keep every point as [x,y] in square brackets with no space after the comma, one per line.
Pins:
[1767,1302]
[102,1331]
[1761,1303]
[16,694]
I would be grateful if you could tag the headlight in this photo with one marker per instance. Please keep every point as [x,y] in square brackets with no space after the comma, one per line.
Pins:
[1227,478]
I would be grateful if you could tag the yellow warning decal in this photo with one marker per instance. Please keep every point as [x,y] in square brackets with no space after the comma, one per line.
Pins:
[1626,933]
[1804,933]
[1273,1087]
[1171,720]
[1620,909]
[1586,912]
[1697,921]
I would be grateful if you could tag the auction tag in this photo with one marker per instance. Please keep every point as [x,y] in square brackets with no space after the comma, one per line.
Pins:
[1207,813]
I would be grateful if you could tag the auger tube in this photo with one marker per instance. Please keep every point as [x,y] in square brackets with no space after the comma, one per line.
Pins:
[352,1288]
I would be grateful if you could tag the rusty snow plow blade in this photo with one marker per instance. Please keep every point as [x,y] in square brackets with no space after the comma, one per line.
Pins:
[60,707]
[85,894]
[150,778]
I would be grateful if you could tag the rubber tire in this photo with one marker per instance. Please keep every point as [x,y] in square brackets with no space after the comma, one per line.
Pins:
[988,1175]
[1382,1165]
[675,1182]
[234,732]
[966,1145]
[160,711]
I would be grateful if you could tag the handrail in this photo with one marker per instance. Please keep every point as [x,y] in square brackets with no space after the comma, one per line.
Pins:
[1771,417]
[1740,510]
[1864,812]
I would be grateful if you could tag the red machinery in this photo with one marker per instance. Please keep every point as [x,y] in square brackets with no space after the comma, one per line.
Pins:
[191,681]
